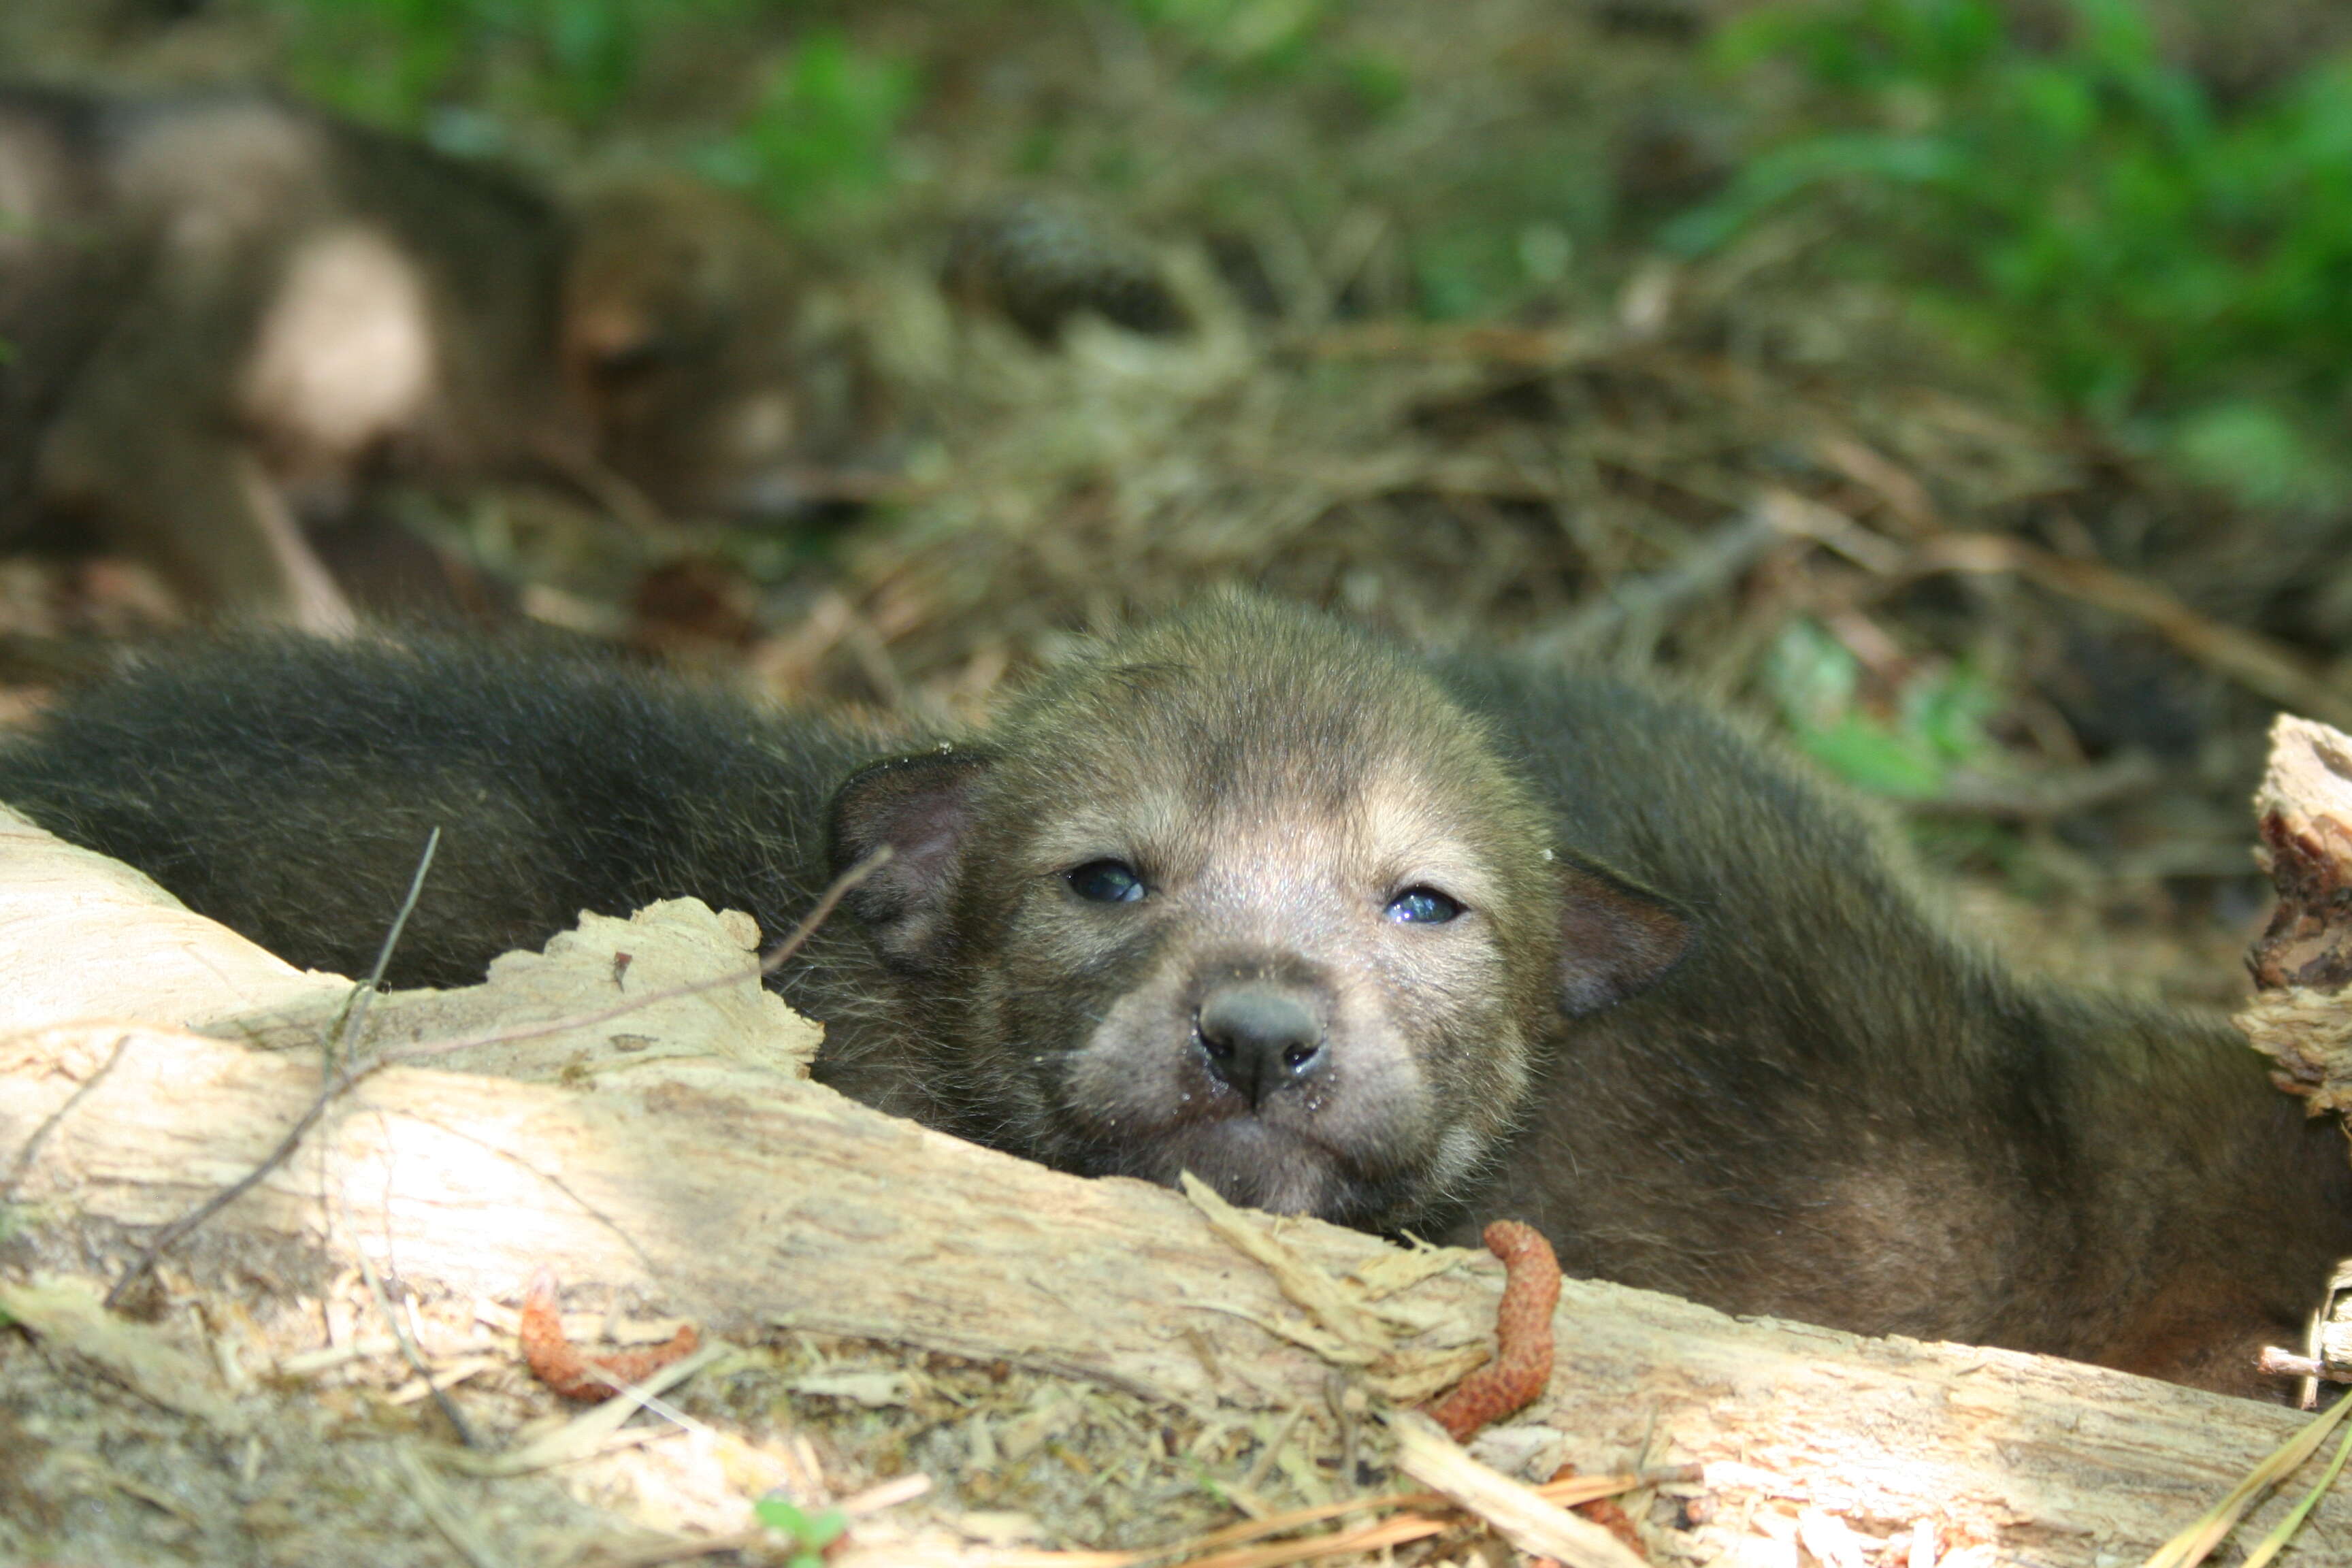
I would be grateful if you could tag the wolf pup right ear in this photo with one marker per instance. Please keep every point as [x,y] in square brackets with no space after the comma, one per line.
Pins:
[1616,939]
[922,807]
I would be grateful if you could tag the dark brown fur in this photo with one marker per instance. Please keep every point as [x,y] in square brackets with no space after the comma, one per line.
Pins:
[1836,1110]
[1691,1021]
[228,314]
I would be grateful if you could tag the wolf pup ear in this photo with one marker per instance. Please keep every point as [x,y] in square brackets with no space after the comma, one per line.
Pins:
[920,808]
[1616,939]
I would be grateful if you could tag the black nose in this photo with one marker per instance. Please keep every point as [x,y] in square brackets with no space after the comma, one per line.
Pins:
[1259,1040]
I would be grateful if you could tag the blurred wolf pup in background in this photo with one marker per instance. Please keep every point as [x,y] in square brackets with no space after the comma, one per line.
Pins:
[224,314]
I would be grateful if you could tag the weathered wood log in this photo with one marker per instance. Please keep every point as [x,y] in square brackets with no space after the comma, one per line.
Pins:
[743,1199]
[2302,813]
[82,936]
[728,1190]
[2300,962]
[2298,1016]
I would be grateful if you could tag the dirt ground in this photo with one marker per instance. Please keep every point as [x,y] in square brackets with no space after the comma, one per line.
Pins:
[1754,476]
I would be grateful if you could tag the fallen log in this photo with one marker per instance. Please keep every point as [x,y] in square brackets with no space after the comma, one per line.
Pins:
[695,1170]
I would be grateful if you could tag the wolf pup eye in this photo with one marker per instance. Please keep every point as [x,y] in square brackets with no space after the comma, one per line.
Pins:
[1421,906]
[1106,882]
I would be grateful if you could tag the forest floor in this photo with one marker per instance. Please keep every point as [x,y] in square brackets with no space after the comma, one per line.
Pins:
[1756,474]
[2050,662]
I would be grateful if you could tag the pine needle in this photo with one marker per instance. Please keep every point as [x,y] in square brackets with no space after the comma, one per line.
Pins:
[2194,1544]
[2276,1542]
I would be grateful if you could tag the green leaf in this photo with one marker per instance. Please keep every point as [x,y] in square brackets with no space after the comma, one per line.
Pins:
[2162,259]
[822,133]
[827,1527]
[778,1514]
[2256,452]
[1873,757]
[812,1532]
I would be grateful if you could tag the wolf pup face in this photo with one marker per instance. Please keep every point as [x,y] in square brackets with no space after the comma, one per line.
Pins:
[1245,895]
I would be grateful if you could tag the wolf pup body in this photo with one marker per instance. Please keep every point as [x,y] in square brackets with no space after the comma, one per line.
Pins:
[1344,933]
[227,314]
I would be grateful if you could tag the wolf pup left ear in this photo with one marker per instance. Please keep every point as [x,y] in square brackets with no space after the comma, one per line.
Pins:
[1616,939]
[920,806]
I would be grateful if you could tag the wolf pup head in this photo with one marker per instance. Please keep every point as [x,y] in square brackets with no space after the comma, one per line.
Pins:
[1244,894]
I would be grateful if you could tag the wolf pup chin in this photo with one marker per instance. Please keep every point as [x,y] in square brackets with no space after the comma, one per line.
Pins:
[1398,942]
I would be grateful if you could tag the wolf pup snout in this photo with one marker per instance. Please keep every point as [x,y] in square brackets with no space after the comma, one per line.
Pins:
[1258,1040]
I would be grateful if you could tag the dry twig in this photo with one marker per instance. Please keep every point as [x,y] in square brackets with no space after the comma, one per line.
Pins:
[1518,1513]
[2254,661]
[338,1077]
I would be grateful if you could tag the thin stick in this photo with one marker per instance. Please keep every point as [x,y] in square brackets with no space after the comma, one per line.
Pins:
[1391,1532]
[433,1501]
[1273,1449]
[356,1014]
[409,1353]
[24,1156]
[2278,1363]
[1647,604]
[2256,662]
[1568,1494]
[662,1551]
[164,1239]
[400,1334]
[336,1076]
[1518,1513]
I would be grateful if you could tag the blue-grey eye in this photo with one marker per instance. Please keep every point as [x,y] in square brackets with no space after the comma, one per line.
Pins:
[1106,882]
[1423,906]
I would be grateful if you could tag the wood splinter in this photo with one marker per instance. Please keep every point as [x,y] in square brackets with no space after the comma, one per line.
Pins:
[1522,1365]
[2278,1363]
[560,1365]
